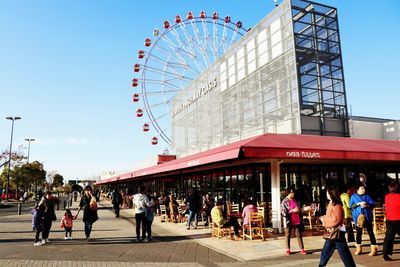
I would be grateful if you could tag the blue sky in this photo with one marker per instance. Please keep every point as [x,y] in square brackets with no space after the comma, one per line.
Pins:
[66,68]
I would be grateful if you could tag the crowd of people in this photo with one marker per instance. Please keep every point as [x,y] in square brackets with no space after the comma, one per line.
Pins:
[353,207]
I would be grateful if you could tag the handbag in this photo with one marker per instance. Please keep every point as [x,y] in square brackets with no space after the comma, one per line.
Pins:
[361,220]
[332,233]
[93,204]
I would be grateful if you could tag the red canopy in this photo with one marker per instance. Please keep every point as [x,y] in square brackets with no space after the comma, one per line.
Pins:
[280,146]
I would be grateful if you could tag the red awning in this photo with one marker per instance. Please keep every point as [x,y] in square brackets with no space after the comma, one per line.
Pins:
[280,146]
[284,146]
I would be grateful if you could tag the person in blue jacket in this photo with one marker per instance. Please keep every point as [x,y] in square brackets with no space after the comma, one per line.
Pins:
[362,205]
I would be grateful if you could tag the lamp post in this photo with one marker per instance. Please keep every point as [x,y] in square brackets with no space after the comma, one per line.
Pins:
[9,159]
[29,145]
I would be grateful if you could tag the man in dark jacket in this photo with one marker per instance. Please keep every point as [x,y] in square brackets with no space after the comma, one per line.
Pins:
[194,200]
[116,201]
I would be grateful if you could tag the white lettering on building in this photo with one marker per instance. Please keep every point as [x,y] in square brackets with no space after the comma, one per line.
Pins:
[201,92]
[303,154]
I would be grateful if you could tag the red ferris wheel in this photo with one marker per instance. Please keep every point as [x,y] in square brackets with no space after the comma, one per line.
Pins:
[176,55]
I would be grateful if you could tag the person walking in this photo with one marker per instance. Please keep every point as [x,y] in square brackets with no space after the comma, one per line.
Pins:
[194,201]
[292,220]
[116,201]
[67,223]
[140,203]
[362,206]
[25,197]
[392,204]
[37,223]
[348,217]
[334,218]
[151,209]
[50,202]
[89,205]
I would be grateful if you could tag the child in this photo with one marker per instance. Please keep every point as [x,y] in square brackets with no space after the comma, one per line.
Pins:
[67,223]
[37,223]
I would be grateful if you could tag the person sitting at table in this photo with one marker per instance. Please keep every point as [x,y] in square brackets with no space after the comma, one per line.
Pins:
[248,209]
[218,218]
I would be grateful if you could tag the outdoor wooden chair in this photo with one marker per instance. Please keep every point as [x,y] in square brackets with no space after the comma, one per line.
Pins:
[255,227]
[261,212]
[163,213]
[233,208]
[182,214]
[217,231]
[173,213]
[379,220]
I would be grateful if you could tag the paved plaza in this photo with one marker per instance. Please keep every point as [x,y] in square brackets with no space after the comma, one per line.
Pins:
[113,245]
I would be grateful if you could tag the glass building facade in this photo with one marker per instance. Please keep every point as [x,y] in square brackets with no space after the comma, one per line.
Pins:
[284,76]
[320,70]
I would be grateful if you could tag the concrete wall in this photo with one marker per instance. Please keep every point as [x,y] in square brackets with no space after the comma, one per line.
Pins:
[365,129]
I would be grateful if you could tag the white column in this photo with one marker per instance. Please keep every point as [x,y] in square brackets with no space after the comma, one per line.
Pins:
[276,195]
[261,187]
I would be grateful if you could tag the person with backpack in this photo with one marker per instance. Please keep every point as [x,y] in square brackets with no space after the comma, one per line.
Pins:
[117,202]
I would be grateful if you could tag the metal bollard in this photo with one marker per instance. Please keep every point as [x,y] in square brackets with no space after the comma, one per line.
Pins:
[19,208]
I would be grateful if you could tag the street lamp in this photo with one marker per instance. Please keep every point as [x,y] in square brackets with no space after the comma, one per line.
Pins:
[9,160]
[29,145]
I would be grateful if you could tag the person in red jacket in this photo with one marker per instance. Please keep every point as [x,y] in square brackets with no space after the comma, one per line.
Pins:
[392,203]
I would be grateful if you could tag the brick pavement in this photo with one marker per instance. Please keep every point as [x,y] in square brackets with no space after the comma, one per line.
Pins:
[113,245]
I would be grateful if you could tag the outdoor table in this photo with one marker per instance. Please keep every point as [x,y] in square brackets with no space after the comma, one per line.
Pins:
[235,215]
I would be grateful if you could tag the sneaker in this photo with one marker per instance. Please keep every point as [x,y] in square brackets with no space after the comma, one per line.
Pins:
[287,253]
[148,239]
[195,227]
[70,238]
[303,252]
[138,239]
[66,238]
[187,227]
[387,258]
[43,241]
[47,240]
[37,243]
[206,224]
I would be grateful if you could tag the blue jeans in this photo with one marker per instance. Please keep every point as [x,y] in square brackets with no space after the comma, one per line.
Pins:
[342,248]
[196,218]
[88,229]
